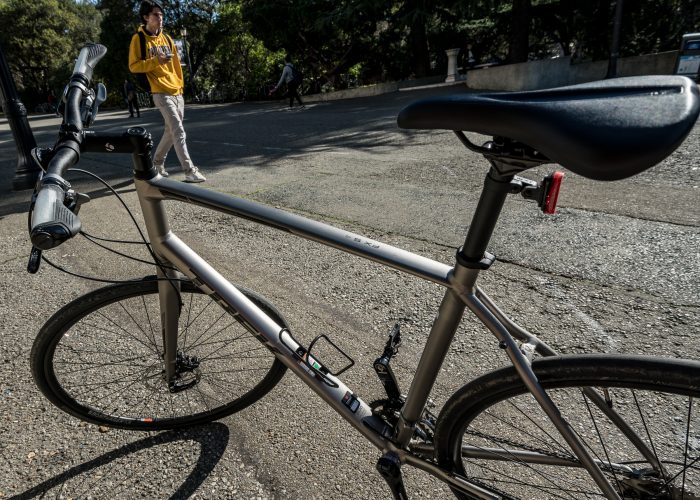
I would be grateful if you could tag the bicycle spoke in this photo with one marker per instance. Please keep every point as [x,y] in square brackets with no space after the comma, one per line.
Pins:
[148,321]
[508,456]
[186,329]
[194,320]
[555,488]
[510,445]
[600,438]
[552,445]
[154,347]
[219,368]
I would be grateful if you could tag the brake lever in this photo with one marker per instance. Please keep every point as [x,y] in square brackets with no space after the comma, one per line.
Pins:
[74,200]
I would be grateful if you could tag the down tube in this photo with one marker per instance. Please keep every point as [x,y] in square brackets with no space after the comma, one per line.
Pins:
[277,339]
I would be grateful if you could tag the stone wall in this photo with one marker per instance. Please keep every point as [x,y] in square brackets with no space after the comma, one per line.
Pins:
[525,76]
[560,71]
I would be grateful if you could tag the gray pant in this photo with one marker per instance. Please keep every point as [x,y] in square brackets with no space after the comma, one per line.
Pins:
[172,107]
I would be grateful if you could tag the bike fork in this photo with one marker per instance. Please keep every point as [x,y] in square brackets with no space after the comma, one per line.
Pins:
[169,298]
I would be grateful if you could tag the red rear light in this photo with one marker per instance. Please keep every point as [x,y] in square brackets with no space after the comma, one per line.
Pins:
[550,198]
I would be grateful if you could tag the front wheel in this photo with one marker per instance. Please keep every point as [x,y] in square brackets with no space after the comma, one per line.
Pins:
[494,433]
[100,358]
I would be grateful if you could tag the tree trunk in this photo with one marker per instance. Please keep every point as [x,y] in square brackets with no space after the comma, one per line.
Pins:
[415,12]
[419,46]
[518,46]
[615,45]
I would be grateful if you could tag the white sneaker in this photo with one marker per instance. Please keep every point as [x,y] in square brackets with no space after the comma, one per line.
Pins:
[161,171]
[194,175]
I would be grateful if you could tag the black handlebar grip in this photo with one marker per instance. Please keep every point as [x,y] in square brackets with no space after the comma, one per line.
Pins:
[88,58]
[52,222]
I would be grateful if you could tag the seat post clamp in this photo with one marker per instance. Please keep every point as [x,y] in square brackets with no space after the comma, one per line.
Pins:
[484,263]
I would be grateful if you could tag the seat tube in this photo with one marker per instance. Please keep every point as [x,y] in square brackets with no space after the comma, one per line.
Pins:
[493,196]
[436,348]
[469,263]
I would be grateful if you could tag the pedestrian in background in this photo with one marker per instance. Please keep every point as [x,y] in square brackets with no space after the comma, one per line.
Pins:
[293,78]
[131,98]
[466,58]
[161,65]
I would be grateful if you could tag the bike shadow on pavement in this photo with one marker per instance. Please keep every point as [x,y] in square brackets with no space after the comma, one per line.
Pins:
[212,438]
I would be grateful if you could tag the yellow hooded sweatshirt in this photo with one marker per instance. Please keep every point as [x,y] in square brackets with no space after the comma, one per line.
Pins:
[163,78]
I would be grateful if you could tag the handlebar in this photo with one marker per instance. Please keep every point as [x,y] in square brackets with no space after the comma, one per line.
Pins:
[52,221]
[88,58]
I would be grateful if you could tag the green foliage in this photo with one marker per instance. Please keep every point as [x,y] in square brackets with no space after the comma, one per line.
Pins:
[657,26]
[240,67]
[201,20]
[121,21]
[118,24]
[585,27]
[325,36]
[236,47]
[40,40]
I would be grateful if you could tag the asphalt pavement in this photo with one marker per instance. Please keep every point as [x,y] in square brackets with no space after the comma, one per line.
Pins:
[615,270]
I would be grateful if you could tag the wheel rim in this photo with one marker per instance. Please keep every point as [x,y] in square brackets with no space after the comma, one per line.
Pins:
[516,432]
[108,364]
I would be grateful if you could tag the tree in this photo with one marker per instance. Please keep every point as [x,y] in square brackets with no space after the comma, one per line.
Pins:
[204,36]
[119,23]
[340,34]
[41,62]
[647,26]
[241,66]
[519,39]
[413,16]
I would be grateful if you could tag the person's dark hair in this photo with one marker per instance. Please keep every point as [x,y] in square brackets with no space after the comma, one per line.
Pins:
[147,7]
[287,58]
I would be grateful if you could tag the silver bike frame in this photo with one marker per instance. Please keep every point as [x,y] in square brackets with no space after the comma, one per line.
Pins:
[170,249]
[461,292]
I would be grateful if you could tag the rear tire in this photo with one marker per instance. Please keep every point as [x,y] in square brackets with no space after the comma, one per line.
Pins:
[99,358]
[496,416]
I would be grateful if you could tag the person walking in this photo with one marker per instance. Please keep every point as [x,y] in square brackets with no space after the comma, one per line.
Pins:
[161,64]
[131,98]
[466,57]
[293,79]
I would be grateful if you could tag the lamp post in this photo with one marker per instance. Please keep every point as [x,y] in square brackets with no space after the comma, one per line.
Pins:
[27,170]
[183,32]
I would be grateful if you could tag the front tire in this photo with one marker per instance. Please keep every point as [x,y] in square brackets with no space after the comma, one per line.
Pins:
[100,359]
[494,433]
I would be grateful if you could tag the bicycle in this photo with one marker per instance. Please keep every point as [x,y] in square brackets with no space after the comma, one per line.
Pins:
[611,425]
[45,108]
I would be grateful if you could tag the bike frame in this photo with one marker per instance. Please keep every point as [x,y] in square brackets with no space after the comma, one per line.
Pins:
[459,280]
[461,291]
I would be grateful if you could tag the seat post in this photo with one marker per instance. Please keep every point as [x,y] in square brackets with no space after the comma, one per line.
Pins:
[496,187]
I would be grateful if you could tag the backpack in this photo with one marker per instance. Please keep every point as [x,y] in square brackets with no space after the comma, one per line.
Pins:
[141,78]
[297,76]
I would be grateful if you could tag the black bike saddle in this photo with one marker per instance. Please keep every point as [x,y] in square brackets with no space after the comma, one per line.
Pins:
[604,130]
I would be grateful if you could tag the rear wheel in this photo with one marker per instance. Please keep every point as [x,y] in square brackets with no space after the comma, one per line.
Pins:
[494,433]
[100,358]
